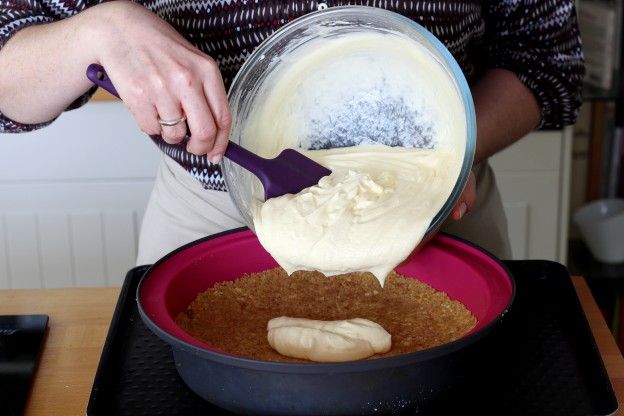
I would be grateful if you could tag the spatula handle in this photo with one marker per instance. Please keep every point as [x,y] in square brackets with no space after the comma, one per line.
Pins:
[248,160]
[99,77]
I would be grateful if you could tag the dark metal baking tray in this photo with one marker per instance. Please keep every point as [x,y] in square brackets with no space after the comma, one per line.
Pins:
[543,360]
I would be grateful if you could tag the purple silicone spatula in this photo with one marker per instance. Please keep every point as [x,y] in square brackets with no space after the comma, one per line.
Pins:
[288,173]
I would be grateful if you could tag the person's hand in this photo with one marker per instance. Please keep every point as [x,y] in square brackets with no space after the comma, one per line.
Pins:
[466,200]
[161,76]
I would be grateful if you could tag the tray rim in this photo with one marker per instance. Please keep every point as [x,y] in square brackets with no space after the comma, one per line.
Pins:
[587,332]
[111,336]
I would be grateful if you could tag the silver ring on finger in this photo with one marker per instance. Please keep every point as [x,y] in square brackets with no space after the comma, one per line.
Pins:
[171,123]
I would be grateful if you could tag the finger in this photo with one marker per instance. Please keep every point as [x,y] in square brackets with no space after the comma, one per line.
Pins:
[466,200]
[459,211]
[216,96]
[146,117]
[200,122]
[201,126]
[470,197]
[170,110]
[136,97]
[174,134]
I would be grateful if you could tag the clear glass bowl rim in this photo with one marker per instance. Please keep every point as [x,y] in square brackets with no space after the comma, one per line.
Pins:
[448,61]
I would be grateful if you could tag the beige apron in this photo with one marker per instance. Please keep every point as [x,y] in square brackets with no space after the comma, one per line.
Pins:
[486,224]
[180,211]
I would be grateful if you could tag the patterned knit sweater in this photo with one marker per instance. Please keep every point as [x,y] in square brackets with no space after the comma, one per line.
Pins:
[536,39]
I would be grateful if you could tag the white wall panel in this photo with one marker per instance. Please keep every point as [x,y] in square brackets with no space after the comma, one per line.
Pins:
[87,234]
[5,279]
[56,249]
[65,249]
[22,237]
[120,242]
[72,196]
[98,141]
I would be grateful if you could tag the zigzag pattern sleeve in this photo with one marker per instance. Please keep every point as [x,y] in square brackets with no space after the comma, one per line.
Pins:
[539,41]
[19,14]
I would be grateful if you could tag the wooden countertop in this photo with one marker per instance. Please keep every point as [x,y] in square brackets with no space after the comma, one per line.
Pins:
[79,320]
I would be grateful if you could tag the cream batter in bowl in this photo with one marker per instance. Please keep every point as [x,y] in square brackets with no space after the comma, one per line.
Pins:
[361,90]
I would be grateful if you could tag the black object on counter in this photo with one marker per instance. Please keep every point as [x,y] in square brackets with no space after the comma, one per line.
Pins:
[542,361]
[21,338]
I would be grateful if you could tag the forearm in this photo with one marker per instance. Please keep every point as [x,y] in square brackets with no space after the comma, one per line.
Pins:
[42,68]
[506,111]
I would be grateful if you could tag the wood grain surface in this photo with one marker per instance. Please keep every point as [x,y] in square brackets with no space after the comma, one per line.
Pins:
[103,95]
[79,320]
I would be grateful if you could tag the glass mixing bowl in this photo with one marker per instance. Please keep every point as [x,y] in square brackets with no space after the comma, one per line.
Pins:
[274,52]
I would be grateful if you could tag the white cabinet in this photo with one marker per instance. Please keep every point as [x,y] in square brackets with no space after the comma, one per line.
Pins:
[533,177]
[71,199]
